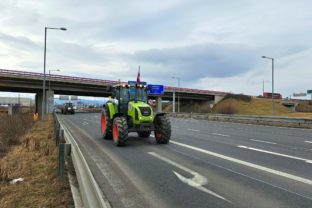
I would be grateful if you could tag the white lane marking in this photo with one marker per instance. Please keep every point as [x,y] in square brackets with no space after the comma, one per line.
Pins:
[275,153]
[262,141]
[198,181]
[259,167]
[176,127]
[193,130]
[96,116]
[85,123]
[224,135]
[308,142]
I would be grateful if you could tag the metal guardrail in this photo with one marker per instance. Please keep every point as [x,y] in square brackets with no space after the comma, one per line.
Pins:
[90,192]
[100,81]
[265,120]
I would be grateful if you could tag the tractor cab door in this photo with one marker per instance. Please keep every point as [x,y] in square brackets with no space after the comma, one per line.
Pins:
[122,95]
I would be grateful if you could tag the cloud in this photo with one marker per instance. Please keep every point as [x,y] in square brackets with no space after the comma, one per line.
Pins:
[215,44]
[197,61]
[20,42]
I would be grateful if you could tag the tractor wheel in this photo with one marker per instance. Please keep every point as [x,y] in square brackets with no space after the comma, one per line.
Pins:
[106,125]
[163,129]
[144,134]
[120,131]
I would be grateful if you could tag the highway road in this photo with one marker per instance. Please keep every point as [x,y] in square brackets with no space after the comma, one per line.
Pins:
[206,164]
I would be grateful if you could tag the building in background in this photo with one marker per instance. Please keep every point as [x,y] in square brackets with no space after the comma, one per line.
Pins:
[14,101]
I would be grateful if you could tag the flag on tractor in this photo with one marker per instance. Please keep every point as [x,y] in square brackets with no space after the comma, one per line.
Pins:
[138,77]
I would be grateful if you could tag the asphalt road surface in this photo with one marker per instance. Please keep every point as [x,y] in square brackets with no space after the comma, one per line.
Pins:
[206,164]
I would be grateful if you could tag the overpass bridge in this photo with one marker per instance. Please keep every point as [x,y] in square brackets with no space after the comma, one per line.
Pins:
[31,82]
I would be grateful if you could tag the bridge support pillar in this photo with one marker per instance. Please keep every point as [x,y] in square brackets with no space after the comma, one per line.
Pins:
[50,101]
[173,102]
[217,98]
[159,104]
[39,98]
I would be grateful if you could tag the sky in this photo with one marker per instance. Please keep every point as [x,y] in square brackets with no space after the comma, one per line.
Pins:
[208,44]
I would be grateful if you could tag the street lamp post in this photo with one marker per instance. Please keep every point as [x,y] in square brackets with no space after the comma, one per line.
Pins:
[50,77]
[43,110]
[272,59]
[264,81]
[178,78]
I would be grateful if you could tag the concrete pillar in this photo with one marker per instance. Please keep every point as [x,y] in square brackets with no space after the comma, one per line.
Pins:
[159,104]
[218,98]
[50,101]
[173,103]
[39,98]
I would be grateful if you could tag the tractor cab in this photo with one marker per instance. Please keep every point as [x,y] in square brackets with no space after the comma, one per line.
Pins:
[129,95]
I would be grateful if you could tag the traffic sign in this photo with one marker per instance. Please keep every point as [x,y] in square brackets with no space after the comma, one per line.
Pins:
[134,83]
[309,91]
[155,89]
[300,94]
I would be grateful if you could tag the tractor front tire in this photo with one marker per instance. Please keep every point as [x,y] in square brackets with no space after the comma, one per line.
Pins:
[162,129]
[106,125]
[120,131]
[144,134]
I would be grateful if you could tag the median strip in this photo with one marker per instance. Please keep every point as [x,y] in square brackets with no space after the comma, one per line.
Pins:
[248,164]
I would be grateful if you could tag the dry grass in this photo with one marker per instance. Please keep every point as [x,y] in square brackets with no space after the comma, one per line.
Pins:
[12,128]
[257,106]
[35,160]
[261,106]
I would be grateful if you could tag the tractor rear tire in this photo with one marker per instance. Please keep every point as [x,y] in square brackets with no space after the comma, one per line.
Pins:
[144,134]
[120,131]
[106,125]
[163,129]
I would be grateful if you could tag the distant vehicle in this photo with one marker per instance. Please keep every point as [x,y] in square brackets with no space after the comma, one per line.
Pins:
[269,95]
[68,108]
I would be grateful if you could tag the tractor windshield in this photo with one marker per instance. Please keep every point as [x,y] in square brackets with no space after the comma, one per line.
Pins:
[140,94]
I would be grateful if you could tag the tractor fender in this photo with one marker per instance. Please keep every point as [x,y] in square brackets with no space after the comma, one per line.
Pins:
[111,109]
[158,114]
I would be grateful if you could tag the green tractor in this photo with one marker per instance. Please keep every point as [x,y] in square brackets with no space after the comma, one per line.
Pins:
[129,112]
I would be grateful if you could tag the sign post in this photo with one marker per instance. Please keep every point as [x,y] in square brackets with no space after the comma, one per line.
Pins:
[309,92]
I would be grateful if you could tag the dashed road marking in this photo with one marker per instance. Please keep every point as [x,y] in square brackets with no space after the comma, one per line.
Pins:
[195,130]
[217,134]
[248,164]
[275,153]
[308,142]
[262,141]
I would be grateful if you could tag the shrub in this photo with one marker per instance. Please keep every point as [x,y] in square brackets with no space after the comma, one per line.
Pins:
[242,97]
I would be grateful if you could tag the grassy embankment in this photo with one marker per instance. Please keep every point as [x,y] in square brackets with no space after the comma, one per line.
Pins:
[252,106]
[258,106]
[32,157]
